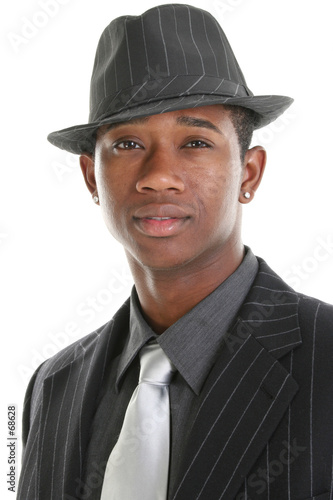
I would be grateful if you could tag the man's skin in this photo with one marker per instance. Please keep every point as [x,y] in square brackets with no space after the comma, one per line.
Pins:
[184,165]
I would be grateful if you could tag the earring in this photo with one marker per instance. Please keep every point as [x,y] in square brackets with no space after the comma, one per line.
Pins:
[247,195]
[96,199]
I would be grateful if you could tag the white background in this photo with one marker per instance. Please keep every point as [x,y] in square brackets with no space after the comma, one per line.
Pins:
[56,255]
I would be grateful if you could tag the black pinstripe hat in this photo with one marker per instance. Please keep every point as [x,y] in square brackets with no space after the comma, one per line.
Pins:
[171,57]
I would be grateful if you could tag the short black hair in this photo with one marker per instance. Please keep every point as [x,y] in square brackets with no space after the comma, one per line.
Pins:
[245,121]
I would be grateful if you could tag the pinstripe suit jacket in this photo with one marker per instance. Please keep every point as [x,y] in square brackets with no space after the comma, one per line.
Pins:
[264,427]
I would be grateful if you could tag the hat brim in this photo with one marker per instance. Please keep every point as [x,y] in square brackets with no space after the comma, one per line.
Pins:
[81,138]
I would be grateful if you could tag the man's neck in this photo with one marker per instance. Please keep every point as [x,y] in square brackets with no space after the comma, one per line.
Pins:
[167,295]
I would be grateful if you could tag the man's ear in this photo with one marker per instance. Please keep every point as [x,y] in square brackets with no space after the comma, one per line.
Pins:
[254,166]
[87,165]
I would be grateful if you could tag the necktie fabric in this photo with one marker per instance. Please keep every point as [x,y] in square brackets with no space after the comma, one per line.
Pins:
[138,465]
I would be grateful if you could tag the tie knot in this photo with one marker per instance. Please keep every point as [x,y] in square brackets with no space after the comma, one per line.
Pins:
[156,368]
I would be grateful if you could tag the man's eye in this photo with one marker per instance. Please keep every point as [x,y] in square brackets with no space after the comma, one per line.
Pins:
[127,145]
[197,144]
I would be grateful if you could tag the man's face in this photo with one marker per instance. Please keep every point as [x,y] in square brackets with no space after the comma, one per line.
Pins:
[169,186]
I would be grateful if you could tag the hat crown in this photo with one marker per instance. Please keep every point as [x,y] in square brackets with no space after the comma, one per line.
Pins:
[169,51]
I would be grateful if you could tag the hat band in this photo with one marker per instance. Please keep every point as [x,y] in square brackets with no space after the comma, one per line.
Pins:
[166,88]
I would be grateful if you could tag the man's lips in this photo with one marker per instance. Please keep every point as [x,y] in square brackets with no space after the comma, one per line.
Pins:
[160,220]
[155,210]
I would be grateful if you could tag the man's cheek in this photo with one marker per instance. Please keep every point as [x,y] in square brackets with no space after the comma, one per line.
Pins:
[215,187]
[209,183]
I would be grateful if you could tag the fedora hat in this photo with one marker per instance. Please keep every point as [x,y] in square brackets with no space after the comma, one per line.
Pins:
[172,57]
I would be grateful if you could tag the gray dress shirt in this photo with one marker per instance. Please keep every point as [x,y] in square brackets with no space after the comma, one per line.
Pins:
[192,345]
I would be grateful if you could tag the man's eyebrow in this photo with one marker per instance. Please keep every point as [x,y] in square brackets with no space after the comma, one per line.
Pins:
[197,122]
[134,121]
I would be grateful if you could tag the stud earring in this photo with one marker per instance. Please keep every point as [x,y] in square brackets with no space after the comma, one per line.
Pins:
[247,195]
[96,199]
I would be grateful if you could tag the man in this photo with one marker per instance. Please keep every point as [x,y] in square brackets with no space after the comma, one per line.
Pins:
[247,407]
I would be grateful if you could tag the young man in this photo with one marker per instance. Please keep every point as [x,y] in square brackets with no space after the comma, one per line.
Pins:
[244,407]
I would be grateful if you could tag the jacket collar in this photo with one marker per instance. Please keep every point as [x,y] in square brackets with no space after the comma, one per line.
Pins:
[270,313]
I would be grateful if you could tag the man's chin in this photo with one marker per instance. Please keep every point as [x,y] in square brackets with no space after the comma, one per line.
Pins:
[158,261]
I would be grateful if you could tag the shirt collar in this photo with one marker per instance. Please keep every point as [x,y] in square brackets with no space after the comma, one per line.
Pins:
[139,334]
[193,342]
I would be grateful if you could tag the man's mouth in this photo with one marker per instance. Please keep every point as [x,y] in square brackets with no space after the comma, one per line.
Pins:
[160,218]
[160,227]
[168,220]
[160,211]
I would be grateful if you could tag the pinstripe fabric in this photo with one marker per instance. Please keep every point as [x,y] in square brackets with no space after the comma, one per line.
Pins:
[264,425]
[171,57]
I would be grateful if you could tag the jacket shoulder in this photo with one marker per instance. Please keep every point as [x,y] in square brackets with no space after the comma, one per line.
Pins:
[68,354]
[84,347]
[312,317]
[316,315]
[308,306]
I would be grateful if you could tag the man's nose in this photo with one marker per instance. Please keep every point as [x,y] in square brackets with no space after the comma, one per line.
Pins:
[159,172]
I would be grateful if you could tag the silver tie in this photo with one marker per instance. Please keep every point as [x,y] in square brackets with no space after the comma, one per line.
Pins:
[138,465]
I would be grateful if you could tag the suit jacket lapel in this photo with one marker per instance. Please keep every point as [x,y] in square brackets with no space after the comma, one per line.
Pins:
[245,395]
[73,389]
